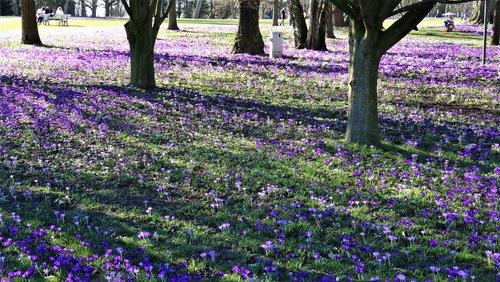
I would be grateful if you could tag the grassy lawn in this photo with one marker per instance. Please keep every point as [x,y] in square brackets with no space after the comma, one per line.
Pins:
[14,23]
[235,167]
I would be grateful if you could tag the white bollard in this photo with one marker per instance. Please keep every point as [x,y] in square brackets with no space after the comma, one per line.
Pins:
[275,45]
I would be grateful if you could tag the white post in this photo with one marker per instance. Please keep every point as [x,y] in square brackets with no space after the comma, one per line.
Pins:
[275,45]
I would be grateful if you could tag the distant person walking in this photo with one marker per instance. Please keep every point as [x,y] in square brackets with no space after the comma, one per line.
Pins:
[283,16]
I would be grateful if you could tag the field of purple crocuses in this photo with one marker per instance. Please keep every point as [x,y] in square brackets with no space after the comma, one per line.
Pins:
[234,168]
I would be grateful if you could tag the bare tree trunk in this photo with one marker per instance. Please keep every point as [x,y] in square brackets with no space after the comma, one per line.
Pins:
[141,41]
[249,39]
[142,29]
[93,8]
[15,7]
[495,38]
[232,7]
[197,10]
[317,21]
[338,18]
[172,17]
[362,120]
[478,14]
[66,6]
[329,21]
[29,25]
[276,10]
[107,8]
[299,24]
[367,44]
[83,8]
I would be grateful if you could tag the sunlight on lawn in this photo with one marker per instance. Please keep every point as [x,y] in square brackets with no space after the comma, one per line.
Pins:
[235,167]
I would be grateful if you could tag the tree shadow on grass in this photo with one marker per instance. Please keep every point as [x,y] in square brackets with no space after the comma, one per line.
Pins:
[119,200]
[332,120]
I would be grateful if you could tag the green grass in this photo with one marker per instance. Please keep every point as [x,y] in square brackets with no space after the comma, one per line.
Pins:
[440,34]
[252,117]
[14,23]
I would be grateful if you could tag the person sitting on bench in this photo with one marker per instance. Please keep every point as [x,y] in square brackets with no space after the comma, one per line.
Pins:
[39,14]
[48,10]
[59,12]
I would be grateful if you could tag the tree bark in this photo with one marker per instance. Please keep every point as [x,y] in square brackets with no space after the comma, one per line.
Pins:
[276,10]
[316,39]
[66,7]
[107,8]
[15,8]
[249,39]
[299,24]
[29,25]
[329,21]
[141,41]
[83,8]
[495,38]
[146,17]
[362,117]
[232,7]
[93,8]
[172,17]
[197,10]
[478,14]
[368,41]
[338,18]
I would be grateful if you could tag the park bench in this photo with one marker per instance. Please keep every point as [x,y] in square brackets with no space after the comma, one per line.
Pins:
[62,19]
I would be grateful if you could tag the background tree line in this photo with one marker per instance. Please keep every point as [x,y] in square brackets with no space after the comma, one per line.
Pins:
[212,9]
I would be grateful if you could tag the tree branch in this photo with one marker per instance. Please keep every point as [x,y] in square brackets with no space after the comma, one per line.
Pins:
[151,8]
[160,18]
[405,24]
[345,7]
[128,10]
[368,14]
[387,9]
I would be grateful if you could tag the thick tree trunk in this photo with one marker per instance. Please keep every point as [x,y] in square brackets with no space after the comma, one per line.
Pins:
[83,8]
[107,9]
[197,10]
[329,21]
[93,8]
[141,43]
[299,24]
[29,25]
[368,41]
[172,17]
[15,8]
[276,10]
[232,7]
[66,7]
[495,38]
[249,39]
[362,122]
[478,14]
[316,36]
[338,18]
